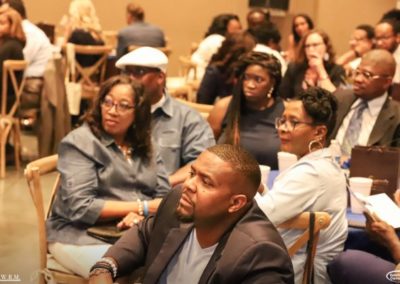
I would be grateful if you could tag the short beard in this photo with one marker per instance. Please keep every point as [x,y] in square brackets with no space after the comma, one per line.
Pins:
[182,217]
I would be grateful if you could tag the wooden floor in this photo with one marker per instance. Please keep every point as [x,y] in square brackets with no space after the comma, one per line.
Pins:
[19,252]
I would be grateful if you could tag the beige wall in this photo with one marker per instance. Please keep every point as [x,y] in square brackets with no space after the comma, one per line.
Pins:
[185,21]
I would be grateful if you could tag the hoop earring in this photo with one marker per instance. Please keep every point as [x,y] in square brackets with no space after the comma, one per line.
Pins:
[315,145]
[269,94]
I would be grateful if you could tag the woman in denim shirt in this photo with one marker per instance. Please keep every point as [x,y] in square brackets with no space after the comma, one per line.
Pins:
[109,168]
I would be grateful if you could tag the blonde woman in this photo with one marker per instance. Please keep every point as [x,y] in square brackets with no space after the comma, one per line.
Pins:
[82,27]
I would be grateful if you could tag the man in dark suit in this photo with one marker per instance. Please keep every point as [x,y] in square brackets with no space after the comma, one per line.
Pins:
[138,32]
[380,117]
[211,231]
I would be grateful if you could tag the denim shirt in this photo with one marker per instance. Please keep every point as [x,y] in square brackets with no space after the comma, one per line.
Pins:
[181,134]
[92,171]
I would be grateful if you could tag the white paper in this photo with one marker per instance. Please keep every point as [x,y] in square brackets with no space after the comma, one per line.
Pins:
[380,205]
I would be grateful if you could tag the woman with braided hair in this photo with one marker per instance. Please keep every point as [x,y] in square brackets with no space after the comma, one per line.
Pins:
[247,117]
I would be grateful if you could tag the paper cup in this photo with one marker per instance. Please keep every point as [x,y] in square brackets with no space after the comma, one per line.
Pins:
[285,160]
[264,173]
[362,186]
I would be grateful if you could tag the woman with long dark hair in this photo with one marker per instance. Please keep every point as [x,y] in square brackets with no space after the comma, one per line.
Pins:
[108,168]
[247,117]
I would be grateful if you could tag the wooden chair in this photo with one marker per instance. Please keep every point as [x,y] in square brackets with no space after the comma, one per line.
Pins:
[203,109]
[302,222]
[167,50]
[48,29]
[49,268]
[111,38]
[85,75]
[9,123]
[184,86]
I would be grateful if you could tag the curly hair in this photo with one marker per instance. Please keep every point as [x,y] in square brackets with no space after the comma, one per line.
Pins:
[139,133]
[230,51]
[320,105]
[237,105]
[220,23]
[301,51]
[310,23]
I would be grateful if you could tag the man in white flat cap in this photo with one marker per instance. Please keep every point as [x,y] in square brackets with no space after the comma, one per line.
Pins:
[180,132]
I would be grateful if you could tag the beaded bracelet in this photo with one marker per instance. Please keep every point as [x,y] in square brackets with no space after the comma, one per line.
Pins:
[145,208]
[97,271]
[140,207]
[111,263]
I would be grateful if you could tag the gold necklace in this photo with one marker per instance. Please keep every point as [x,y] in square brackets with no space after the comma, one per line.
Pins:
[126,151]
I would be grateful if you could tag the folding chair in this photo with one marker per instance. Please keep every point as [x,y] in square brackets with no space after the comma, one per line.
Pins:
[9,123]
[302,222]
[50,269]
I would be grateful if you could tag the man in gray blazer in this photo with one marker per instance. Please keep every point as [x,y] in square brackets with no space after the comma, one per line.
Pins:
[138,32]
[380,119]
[211,231]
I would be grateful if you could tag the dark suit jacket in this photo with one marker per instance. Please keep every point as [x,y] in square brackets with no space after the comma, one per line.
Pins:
[251,252]
[386,131]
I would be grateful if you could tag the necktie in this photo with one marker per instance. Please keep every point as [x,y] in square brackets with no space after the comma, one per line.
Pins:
[354,128]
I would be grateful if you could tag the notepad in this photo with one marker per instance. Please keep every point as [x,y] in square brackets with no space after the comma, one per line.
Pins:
[382,206]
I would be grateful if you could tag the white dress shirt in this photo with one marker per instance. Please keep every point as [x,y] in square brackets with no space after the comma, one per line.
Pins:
[37,51]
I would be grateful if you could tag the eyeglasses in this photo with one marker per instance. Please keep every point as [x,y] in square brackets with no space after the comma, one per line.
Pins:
[121,107]
[306,46]
[290,124]
[255,78]
[139,71]
[387,37]
[369,76]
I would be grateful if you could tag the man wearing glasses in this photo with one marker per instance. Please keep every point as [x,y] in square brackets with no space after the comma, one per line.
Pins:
[386,37]
[179,131]
[366,114]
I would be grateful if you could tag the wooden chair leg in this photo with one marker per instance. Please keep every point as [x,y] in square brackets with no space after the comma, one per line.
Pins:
[2,156]
[17,144]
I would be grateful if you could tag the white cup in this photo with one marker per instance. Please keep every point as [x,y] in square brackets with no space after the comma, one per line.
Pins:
[285,160]
[361,185]
[264,175]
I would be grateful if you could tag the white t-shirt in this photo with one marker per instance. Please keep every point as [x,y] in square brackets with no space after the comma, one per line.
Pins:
[188,263]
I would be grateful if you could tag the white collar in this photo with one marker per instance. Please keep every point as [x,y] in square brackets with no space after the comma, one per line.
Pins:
[158,104]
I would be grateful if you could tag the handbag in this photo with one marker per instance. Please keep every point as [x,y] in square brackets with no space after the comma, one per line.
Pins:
[108,232]
[73,89]
[382,164]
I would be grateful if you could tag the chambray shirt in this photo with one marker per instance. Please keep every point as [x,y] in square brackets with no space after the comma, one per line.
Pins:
[92,171]
[313,183]
[181,134]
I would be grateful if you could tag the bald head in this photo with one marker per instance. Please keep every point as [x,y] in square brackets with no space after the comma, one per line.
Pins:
[381,60]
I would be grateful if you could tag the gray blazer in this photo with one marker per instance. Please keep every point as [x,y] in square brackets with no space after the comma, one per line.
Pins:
[386,131]
[251,252]
[142,34]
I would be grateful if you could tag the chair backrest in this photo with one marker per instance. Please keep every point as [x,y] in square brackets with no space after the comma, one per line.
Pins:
[188,69]
[204,109]
[33,173]
[84,74]
[10,69]
[302,222]
[111,38]
[167,50]
[48,29]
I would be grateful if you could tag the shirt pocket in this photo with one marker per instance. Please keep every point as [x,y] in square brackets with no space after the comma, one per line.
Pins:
[170,139]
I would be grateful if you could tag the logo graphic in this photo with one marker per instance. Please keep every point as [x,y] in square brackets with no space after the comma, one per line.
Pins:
[10,278]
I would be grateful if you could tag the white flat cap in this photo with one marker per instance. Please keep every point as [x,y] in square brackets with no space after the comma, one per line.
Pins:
[144,56]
